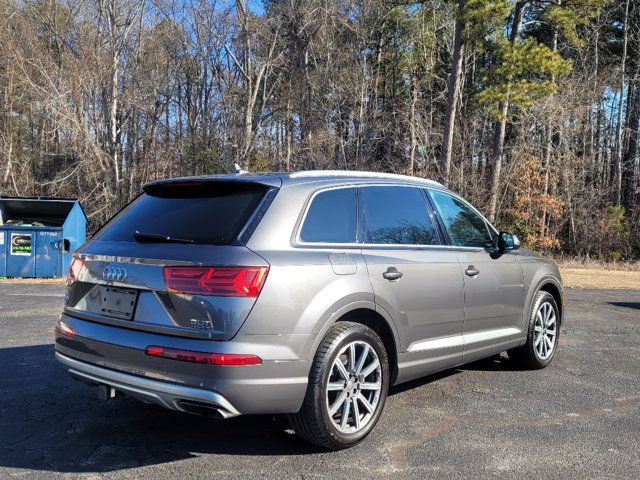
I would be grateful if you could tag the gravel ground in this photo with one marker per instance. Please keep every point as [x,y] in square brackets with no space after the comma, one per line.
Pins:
[579,418]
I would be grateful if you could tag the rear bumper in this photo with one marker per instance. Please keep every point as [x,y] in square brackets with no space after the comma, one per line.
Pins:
[112,356]
[173,397]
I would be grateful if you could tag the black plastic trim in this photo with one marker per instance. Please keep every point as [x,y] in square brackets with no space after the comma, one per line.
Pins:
[257,215]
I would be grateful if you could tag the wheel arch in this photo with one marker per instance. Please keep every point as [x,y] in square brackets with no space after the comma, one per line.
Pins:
[366,314]
[376,322]
[549,286]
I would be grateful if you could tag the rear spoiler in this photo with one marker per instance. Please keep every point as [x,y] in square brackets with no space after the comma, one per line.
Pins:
[267,180]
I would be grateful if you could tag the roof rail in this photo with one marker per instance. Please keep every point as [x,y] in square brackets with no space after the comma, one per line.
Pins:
[355,173]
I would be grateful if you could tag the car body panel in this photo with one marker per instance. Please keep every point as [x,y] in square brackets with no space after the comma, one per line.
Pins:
[539,272]
[426,302]
[493,303]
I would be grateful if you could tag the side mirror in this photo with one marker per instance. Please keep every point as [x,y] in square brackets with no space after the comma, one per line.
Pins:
[507,242]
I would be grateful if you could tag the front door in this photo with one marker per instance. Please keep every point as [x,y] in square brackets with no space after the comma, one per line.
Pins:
[415,279]
[493,303]
[493,283]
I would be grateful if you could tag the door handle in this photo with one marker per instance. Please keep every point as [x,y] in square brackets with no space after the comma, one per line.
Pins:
[472,271]
[392,273]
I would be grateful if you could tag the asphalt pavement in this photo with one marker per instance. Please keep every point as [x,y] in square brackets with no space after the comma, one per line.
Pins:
[579,418]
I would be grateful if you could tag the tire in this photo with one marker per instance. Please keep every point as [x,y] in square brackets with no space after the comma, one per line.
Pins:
[533,354]
[314,422]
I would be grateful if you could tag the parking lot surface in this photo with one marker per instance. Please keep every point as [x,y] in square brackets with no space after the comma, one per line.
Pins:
[579,418]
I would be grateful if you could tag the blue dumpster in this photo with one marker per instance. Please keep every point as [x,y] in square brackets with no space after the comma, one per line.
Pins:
[38,235]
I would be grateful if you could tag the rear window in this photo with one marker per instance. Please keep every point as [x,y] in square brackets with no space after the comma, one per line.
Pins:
[331,218]
[210,213]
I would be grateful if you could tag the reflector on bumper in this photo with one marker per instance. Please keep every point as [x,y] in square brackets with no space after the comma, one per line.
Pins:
[235,359]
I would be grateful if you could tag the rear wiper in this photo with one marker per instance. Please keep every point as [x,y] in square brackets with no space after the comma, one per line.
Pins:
[156,237]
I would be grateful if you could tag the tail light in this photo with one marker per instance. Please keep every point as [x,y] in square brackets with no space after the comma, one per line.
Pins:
[74,269]
[236,359]
[64,329]
[216,281]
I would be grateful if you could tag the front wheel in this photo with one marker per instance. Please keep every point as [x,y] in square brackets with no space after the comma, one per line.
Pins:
[347,388]
[543,333]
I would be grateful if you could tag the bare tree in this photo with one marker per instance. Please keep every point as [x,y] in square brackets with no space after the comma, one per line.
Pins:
[623,86]
[453,92]
[500,127]
[96,99]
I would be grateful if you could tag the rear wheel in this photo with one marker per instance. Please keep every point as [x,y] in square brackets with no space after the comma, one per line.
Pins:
[347,388]
[543,333]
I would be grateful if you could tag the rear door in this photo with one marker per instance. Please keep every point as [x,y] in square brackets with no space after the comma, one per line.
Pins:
[493,283]
[414,277]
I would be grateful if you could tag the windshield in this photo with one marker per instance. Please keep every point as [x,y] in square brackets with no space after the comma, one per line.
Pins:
[210,213]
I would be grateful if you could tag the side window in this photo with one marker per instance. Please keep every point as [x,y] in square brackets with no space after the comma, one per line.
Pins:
[331,218]
[397,215]
[465,227]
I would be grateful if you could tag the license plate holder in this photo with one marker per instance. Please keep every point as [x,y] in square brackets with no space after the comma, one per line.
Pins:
[118,302]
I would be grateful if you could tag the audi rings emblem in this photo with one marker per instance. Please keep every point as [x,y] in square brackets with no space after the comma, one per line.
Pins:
[114,273]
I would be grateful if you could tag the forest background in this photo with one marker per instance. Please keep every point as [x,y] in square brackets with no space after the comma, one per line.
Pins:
[528,108]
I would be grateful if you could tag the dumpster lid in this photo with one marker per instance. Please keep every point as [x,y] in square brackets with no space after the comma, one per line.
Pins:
[35,211]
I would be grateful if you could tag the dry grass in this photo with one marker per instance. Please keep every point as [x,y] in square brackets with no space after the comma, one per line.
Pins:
[597,264]
[592,275]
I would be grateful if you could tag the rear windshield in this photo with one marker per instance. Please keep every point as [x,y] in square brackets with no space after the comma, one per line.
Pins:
[211,213]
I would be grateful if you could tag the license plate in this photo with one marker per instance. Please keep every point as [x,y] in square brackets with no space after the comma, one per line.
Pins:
[118,302]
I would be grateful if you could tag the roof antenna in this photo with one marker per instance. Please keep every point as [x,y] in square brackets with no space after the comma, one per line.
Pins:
[239,170]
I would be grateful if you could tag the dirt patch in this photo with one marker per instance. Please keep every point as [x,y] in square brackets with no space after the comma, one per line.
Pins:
[599,277]
[34,281]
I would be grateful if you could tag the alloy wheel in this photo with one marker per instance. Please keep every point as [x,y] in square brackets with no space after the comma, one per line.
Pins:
[545,327]
[354,386]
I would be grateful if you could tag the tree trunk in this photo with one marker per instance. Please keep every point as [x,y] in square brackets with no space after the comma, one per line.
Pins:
[412,124]
[113,114]
[623,66]
[629,161]
[500,127]
[455,77]
[288,129]
[553,139]
[633,127]
[8,135]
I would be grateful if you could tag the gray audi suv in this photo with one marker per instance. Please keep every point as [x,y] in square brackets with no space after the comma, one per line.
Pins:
[307,294]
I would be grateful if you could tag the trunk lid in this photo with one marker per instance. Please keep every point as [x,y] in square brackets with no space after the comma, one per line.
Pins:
[122,281]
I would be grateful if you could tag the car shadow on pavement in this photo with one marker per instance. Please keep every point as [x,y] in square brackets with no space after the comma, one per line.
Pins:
[496,363]
[422,381]
[634,305]
[50,422]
